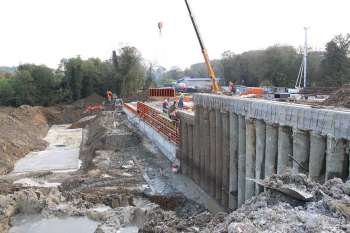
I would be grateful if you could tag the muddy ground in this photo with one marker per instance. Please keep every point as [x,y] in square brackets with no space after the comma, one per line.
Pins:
[110,186]
[22,129]
[111,189]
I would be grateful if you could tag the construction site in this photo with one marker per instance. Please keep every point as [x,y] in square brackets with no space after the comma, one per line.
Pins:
[202,155]
[226,164]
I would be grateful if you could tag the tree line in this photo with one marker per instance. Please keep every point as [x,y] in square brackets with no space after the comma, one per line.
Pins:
[124,73]
[278,65]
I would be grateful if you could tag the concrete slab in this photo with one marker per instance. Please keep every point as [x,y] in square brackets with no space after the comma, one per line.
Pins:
[61,155]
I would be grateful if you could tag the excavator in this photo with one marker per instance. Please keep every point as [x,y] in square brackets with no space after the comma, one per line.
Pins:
[215,87]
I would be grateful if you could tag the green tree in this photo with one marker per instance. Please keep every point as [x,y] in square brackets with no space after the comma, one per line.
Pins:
[281,65]
[24,88]
[130,70]
[336,64]
[150,78]
[74,76]
[174,74]
[7,92]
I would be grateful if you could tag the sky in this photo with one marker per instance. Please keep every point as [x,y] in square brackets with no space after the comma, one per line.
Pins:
[45,31]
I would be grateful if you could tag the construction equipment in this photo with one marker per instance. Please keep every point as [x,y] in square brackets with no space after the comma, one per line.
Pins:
[302,75]
[215,85]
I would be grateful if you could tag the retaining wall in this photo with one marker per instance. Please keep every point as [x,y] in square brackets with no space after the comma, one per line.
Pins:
[167,147]
[230,139]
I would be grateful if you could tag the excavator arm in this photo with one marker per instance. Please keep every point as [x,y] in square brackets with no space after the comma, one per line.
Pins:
[215,85]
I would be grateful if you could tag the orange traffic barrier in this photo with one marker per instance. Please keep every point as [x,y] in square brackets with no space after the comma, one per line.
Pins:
[254,90]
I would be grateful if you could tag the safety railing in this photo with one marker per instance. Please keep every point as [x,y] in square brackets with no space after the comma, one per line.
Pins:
[155,118]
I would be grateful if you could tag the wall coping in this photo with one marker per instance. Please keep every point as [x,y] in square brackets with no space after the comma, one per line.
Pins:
[325,121]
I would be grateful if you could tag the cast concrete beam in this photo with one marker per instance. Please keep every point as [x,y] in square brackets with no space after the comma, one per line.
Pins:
[212,164]
[260,153]
[317,162]
[336,159]
[285,149]
[206,145]
[250,158]
[241,160]
[271,149]
[196,148]
[201,147]
[184,148]
[218,154]
[190,150]
[225,159]
[301,151]
[233,161]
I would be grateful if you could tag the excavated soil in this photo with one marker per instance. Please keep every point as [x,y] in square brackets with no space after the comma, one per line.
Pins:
[341,98]
[109,188]
[22,129]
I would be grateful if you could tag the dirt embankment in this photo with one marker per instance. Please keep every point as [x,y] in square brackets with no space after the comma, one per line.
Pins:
[22,129]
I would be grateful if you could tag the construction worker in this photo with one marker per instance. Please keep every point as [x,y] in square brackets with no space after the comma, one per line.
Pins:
[232,87]
[109,96]
[172,111]
[181,101]
[165,106]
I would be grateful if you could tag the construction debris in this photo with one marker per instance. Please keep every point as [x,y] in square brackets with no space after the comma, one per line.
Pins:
[276,211]
[123,184]
[341,98]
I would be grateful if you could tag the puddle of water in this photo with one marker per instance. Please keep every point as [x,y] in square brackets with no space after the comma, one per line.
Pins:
[38,224]
[62,154]
[128,229]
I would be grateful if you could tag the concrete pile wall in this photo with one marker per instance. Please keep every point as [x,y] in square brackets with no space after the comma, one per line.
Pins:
[230,139]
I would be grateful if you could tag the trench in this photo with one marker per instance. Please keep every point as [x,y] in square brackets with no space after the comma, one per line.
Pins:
[133,177]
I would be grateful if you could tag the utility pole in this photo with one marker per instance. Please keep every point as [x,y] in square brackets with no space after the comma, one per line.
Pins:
[305,59]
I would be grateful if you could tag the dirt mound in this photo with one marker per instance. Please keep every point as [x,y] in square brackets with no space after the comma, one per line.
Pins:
[21,130]
[92,99]
[139,96]
[62,114]
[341,98]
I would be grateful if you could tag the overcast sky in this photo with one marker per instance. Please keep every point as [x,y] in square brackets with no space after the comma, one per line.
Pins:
[45,31]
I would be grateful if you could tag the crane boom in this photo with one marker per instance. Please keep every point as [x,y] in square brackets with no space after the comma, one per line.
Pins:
[215,85]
